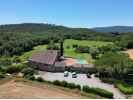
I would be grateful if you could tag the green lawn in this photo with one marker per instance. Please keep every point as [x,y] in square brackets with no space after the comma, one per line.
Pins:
[70,42]
[69,50]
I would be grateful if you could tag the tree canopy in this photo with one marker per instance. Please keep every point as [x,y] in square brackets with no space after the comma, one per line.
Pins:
[114,63]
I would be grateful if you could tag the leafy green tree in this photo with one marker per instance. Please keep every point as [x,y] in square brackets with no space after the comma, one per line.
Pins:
[115,64]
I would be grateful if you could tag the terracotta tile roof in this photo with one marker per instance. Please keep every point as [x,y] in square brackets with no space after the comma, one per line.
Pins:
[48,57]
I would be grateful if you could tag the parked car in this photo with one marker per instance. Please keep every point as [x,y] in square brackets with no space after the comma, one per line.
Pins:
[88,75]
[74,75]
[66,74]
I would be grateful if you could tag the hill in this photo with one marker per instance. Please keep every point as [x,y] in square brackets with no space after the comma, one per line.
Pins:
[24,89]
[121,29]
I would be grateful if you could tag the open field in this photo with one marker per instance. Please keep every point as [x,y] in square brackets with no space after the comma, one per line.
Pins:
[70,42]
[71,53]
[23,89]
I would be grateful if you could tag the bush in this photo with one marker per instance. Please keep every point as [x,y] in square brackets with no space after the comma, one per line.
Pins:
[82,49]
[2,76]
[29,77]
[13,69]
[74,45]
[67,85]
[98,91]
[71,85]
[124,88]
[40,79]
[56,82]
[108,80]
[64,83]
[28,71]
[78,87]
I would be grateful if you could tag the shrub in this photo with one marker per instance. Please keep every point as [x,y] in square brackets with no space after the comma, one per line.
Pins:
[28,71]
[78,87]
[56,82]
[64,83]
[82,49]
[108,80]
[40,79]
[13,69]
[67,85]
[2,76]
[74,45]
[71,85]
[124,88]
[29,77]
[98,91]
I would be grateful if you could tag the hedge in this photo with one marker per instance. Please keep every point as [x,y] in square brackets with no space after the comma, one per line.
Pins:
[124,88]
[2,76]
[66,84]
[108,80]
[40,79]
[98,91]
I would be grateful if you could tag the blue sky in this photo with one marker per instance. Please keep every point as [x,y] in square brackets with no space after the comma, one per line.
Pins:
[72,13]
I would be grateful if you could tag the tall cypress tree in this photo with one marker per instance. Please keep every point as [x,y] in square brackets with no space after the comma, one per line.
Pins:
[61,47]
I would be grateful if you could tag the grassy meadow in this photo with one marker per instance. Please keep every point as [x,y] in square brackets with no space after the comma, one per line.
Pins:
[70,42]
[69,50]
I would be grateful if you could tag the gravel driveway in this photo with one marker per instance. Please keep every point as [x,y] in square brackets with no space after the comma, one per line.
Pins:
[82,80]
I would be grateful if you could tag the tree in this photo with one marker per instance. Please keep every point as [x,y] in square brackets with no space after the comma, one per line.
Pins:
[94,53]
[114,63]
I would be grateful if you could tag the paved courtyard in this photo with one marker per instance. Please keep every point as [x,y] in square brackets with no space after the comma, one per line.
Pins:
[82,80]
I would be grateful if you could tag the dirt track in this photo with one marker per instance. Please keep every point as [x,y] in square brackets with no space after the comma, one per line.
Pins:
[20,90]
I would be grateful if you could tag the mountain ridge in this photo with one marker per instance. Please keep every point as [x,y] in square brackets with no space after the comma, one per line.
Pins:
[120,29]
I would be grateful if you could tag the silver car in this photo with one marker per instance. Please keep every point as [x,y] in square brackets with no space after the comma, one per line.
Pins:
[74,75]
[66,74]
